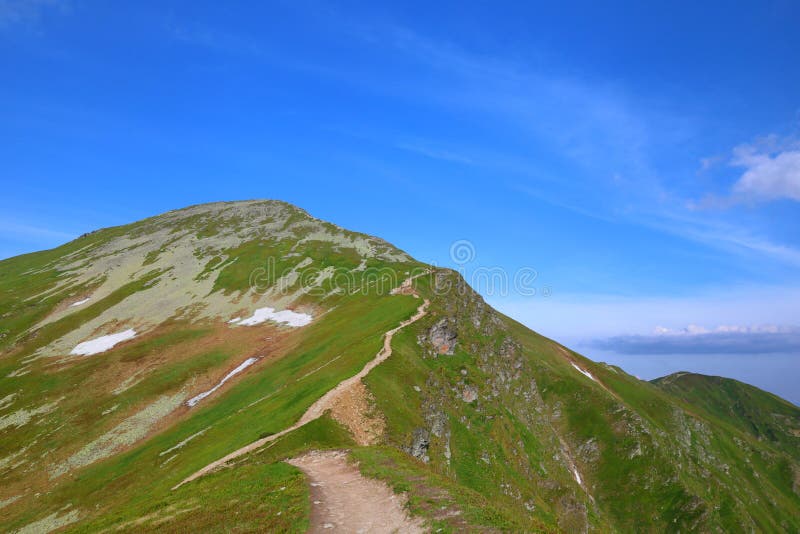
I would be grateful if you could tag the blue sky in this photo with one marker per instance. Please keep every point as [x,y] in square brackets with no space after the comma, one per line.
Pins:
[642,158]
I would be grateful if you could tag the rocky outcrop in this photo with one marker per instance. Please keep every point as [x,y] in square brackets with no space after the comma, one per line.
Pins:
[420,441]
[443,336]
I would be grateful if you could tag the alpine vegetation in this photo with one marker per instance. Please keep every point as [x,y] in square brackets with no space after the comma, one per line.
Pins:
[246,366]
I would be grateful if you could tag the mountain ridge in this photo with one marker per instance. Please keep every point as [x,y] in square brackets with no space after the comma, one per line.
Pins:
[481,417]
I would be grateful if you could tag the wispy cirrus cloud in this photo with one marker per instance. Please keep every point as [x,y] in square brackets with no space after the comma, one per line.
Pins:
[19,238]
[594,124]
[717,233]
[216,39]
[609,132]
[26,231]
[434,152]
[573,139]
[27,12]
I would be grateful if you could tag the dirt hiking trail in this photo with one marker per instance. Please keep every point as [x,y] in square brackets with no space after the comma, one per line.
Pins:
[344,501]
[328,400]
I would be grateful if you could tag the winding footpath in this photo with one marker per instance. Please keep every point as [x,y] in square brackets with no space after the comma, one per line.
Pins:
[326,401]
[342,500]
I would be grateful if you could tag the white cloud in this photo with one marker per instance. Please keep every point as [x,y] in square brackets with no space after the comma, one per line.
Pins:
[696,330]
[770,172]
[769,339]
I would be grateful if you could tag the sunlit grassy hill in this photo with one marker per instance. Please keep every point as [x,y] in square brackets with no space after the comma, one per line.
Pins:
[136,355]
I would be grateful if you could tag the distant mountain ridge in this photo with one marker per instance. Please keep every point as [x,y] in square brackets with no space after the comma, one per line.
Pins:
[210,328]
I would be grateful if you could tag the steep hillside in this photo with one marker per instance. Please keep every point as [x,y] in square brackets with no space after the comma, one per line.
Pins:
[135,358]
[763,415]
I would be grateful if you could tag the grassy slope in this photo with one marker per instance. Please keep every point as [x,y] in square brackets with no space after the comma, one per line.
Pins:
[645,459]
[263,402]
[681,449]
[645,452]
[354,332]
[260,494]
[749,409]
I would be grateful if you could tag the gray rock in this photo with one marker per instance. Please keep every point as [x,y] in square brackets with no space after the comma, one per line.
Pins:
[443,336]
[589,451]
[438,422]
[420,441]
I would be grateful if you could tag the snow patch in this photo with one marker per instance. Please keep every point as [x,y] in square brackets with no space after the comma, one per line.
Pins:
[241,367]
[102,343]
[184,442]
[287,317]
[585,373]
[84,301]
[577,476]
[318,368]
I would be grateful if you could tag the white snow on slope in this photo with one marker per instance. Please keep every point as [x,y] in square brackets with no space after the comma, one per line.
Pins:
[241,367]
[184,442]
[287,317]
[577,476]
[102,343]
[585,373]
[84,301]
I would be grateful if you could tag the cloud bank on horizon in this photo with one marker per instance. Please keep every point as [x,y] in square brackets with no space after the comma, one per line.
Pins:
[727,339]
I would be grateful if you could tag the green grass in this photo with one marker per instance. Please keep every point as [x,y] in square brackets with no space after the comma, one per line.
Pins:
[261,493]
[446,505]
[689,454]
[751,410]
[355,333]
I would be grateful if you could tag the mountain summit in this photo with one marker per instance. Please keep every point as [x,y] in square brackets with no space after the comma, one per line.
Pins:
[245,366]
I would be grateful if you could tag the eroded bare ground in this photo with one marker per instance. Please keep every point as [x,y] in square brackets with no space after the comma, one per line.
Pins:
[342,500]
[354,409]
